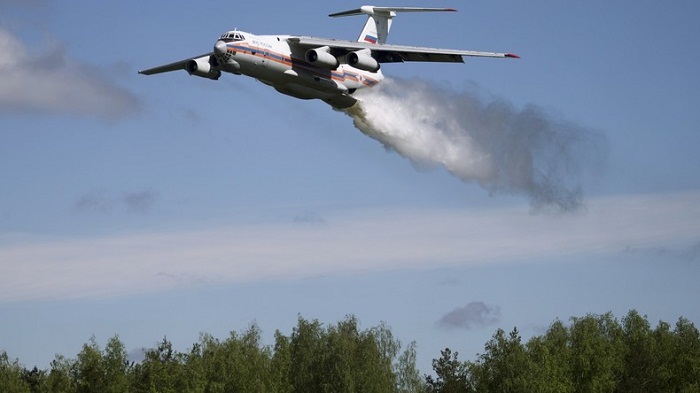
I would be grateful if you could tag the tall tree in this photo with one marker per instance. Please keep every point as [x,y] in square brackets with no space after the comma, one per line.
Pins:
[61,378]
[308,354]
[686,375]
[639,355]
[408,379]
[116,366]
[281,365]
[89,371]
[35,379]
[11,375]
[160,371]
[550,359]
[596,353]
[504,366]
[664,358]
[452,376]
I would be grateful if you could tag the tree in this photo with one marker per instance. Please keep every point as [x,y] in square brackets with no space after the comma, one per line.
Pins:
[116,366]
[505,366]
[250,360]
[639,354]
[664,357]
[307,352]
[341,358]
[452,375]
[380,343]
[61,376]
[281,364]
[596,353]
[160,371]
[89,370]
[408,379]
[11,375]
[550,359]
[686,369]
[35,379]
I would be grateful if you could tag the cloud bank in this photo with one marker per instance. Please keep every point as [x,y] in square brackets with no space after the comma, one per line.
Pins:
[52,82]
[36,267]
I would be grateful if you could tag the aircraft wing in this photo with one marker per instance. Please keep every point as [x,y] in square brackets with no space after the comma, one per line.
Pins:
[385,53]
[178,65]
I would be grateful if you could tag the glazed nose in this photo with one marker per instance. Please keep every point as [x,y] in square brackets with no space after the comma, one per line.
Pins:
[220,47]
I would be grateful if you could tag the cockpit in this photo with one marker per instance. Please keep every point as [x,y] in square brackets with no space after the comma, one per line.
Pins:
[232,36]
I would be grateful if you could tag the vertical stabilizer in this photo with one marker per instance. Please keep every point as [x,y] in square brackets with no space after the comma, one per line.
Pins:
[379,20]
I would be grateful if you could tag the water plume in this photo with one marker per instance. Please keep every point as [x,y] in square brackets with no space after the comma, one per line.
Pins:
[493,144]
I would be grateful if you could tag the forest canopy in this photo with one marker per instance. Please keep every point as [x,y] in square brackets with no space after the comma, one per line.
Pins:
[594,353]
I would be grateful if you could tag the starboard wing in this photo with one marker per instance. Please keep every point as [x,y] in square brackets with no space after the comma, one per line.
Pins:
[385,53]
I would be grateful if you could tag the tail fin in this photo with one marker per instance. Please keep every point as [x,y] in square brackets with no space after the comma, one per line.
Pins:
[379,19]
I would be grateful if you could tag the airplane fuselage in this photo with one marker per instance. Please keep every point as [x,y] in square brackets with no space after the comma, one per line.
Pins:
[271,60]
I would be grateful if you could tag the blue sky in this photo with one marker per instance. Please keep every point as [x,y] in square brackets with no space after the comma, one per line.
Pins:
[172,205]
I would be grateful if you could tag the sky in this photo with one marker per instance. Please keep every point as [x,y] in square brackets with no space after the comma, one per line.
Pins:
[171,205]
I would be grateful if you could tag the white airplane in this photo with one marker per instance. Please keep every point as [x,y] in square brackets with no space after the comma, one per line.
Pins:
[317,68]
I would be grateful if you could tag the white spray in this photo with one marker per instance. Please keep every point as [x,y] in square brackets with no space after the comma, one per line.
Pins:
[502,149]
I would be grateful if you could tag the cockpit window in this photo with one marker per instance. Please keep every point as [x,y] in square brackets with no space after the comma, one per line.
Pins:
[232,36]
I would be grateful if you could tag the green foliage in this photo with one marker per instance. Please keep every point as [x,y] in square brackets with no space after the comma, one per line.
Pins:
[12,375]
[341,358]
[408,379]
[89,372]
[452,375]
[505,366]
[61,376]
[686,346]
[594,353]
[550,360]
[337,358]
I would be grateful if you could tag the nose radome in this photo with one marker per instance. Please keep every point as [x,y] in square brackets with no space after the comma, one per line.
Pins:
[220,47]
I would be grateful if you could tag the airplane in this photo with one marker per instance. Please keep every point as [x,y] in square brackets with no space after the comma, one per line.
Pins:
[317,68]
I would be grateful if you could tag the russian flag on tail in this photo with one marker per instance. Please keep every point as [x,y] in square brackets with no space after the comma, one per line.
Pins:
[370,39]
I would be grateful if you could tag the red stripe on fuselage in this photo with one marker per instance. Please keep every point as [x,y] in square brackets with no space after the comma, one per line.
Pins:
[303,64]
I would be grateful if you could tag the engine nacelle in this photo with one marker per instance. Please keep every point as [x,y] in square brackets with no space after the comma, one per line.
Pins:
[204,67]
[322,57]
[363,60]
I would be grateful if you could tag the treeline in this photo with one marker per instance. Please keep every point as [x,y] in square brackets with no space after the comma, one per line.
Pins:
[336,358]
[595,353]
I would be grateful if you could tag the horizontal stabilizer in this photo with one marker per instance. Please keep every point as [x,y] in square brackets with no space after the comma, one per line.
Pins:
[379,20]
[371,10]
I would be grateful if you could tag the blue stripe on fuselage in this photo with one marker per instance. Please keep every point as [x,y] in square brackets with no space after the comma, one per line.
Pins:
[303,64]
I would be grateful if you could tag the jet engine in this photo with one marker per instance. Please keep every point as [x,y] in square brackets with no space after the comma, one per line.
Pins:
[322,57]
[204,67]
[363,60]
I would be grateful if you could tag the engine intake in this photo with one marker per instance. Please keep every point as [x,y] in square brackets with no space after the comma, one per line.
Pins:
[322,57]
[363,60]
[204,67]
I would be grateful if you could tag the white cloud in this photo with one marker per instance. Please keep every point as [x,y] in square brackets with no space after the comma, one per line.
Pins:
[54,83]
[365,241]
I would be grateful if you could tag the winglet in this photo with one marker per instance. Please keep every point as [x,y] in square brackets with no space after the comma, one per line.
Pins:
[512,56]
